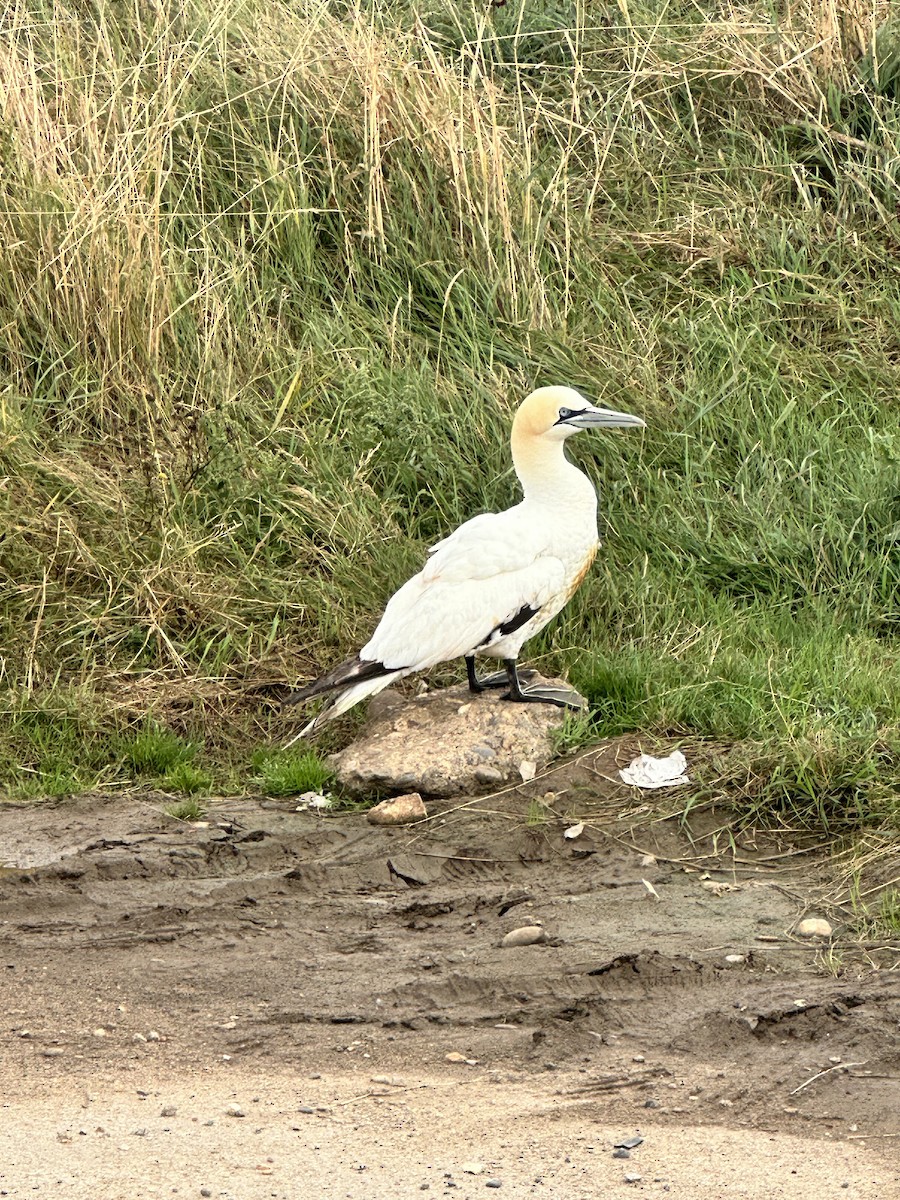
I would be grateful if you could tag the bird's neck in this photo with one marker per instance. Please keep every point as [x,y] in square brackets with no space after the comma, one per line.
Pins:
[549,479]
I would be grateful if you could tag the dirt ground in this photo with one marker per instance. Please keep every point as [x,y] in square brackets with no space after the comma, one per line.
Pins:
[345,987]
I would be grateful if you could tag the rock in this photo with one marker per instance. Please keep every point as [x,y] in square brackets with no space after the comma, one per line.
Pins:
[632,1179]
[493,1183]
[733,959]
[53,1052]
[169,1111]
[448,743]
[813,927]
[621,1152]
[473,1168]
[526,935]
[234,1110]
[455,1057]
[402,810]
[489,775]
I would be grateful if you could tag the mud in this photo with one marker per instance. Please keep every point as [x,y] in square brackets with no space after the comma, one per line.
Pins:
[279,943]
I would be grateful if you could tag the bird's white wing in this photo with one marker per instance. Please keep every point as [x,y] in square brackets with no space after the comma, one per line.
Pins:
[487,573]
[487,545]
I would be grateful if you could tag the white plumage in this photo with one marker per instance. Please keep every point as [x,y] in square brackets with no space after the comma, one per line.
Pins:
[500,577]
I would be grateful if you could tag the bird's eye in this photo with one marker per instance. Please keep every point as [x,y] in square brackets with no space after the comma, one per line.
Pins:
[565,413]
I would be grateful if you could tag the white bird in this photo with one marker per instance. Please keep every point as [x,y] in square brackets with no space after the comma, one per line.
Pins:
[498,580]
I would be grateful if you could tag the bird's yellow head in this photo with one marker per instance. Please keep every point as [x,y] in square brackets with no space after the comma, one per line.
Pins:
[555,413]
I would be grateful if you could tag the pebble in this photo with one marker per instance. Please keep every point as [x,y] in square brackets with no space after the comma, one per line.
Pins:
[621,1152]
[390,1080]
[526,935]
[234,1110]
[489,775]
[629,1143]
[473,1168]
[169,1111]
[53,1052]
[306,1108]
[732,959]
[100,1032]
[400,810]
[206,1191]
[813,927]
[493,1183]
[651,1104]
[632,1179]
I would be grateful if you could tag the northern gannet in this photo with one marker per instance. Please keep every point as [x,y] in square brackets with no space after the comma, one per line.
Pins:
[494,583]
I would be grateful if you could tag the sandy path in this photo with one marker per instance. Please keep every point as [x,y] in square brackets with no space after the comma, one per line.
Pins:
[112,1143]
[279,961]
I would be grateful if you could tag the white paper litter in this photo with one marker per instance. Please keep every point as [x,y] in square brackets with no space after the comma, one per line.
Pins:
[645,771]
[314,800]
[527,770]
[574,831]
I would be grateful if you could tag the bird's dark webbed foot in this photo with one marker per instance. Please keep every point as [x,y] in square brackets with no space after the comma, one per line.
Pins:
[562,697]
[498,679]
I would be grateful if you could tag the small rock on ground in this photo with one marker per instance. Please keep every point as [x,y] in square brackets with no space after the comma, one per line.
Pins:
[401,810]
[814,927]
[525,935]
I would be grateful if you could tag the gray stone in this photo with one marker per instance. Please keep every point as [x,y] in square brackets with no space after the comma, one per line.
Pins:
[439,743]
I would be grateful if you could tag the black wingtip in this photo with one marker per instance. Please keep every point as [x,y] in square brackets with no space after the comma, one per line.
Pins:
[354,670]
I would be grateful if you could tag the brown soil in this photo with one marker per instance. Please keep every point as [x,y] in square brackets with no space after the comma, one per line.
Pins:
[286,960]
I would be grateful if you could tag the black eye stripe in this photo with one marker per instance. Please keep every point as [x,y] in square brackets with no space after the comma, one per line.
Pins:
[566,414]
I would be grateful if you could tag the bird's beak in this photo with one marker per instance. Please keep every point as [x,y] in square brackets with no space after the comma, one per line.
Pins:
[604,418]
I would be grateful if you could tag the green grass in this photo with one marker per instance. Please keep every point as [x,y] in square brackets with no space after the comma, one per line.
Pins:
[156,751]
[890,911]
[290,772]
[190,809]
[276,276]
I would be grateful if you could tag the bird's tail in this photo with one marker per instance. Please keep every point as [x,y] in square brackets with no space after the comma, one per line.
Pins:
[353,680]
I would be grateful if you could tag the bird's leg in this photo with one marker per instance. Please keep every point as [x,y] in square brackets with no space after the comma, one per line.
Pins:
[533,694]
[481,685]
